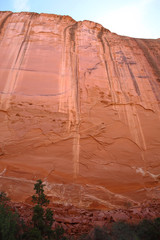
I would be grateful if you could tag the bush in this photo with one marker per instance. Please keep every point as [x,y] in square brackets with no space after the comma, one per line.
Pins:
[98,233]
[32,234]
[123,231]
[145,230]
[10,224]
[58,234]
[148,229]
[12,228]
[40,198]
[42,218]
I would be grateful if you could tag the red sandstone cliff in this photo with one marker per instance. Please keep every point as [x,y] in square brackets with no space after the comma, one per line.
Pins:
[80,109]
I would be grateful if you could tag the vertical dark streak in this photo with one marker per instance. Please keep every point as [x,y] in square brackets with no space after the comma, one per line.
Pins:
[156,69]
[3,22]
[154,85]
[134,81]
[24,45]
[106,67]
[24,42]
[131,73]
[109,50]
[113,62]
[72,30]
[154,88]
[99,36]
[115,67]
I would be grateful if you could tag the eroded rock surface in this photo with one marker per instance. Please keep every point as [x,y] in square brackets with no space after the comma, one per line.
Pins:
[80,109]
[77,221]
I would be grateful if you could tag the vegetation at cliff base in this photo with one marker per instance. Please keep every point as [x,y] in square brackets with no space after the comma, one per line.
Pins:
[42,218]
[12,226]
[145,230]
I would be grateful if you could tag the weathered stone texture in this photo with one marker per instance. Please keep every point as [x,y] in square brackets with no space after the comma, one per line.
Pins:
[80,109]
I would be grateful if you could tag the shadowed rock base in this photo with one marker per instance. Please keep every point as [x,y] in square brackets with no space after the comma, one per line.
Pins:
[79,221]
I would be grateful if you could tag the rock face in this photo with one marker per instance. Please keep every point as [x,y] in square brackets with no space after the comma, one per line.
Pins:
[77,221]
[80,109]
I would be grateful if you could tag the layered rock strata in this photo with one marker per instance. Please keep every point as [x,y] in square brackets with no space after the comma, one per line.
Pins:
[80,109]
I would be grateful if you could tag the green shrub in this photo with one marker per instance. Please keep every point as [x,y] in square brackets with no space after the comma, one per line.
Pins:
[32,234]
[148,229]
[12,228]
[123,231]
[84,237]
[42,218]
[10,225]
[97,233]
[40,198]
[58,234]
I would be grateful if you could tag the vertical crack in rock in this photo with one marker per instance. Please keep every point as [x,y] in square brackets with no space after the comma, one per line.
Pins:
[116,70]
[69,85]
[133,120]
[24,44]
[22,50]
[131,112]
[135,126]
[63,78]
[62,85]
[100,37]
[145,48]
[11,81]
[75,98]
[141,134]
[134,80]
[4,21]
[154,85]
[111,57]
[135,84]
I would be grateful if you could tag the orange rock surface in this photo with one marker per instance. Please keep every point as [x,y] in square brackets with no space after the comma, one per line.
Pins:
[80,109]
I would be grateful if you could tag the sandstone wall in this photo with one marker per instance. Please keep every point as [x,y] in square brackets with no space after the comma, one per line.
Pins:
[80,109]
